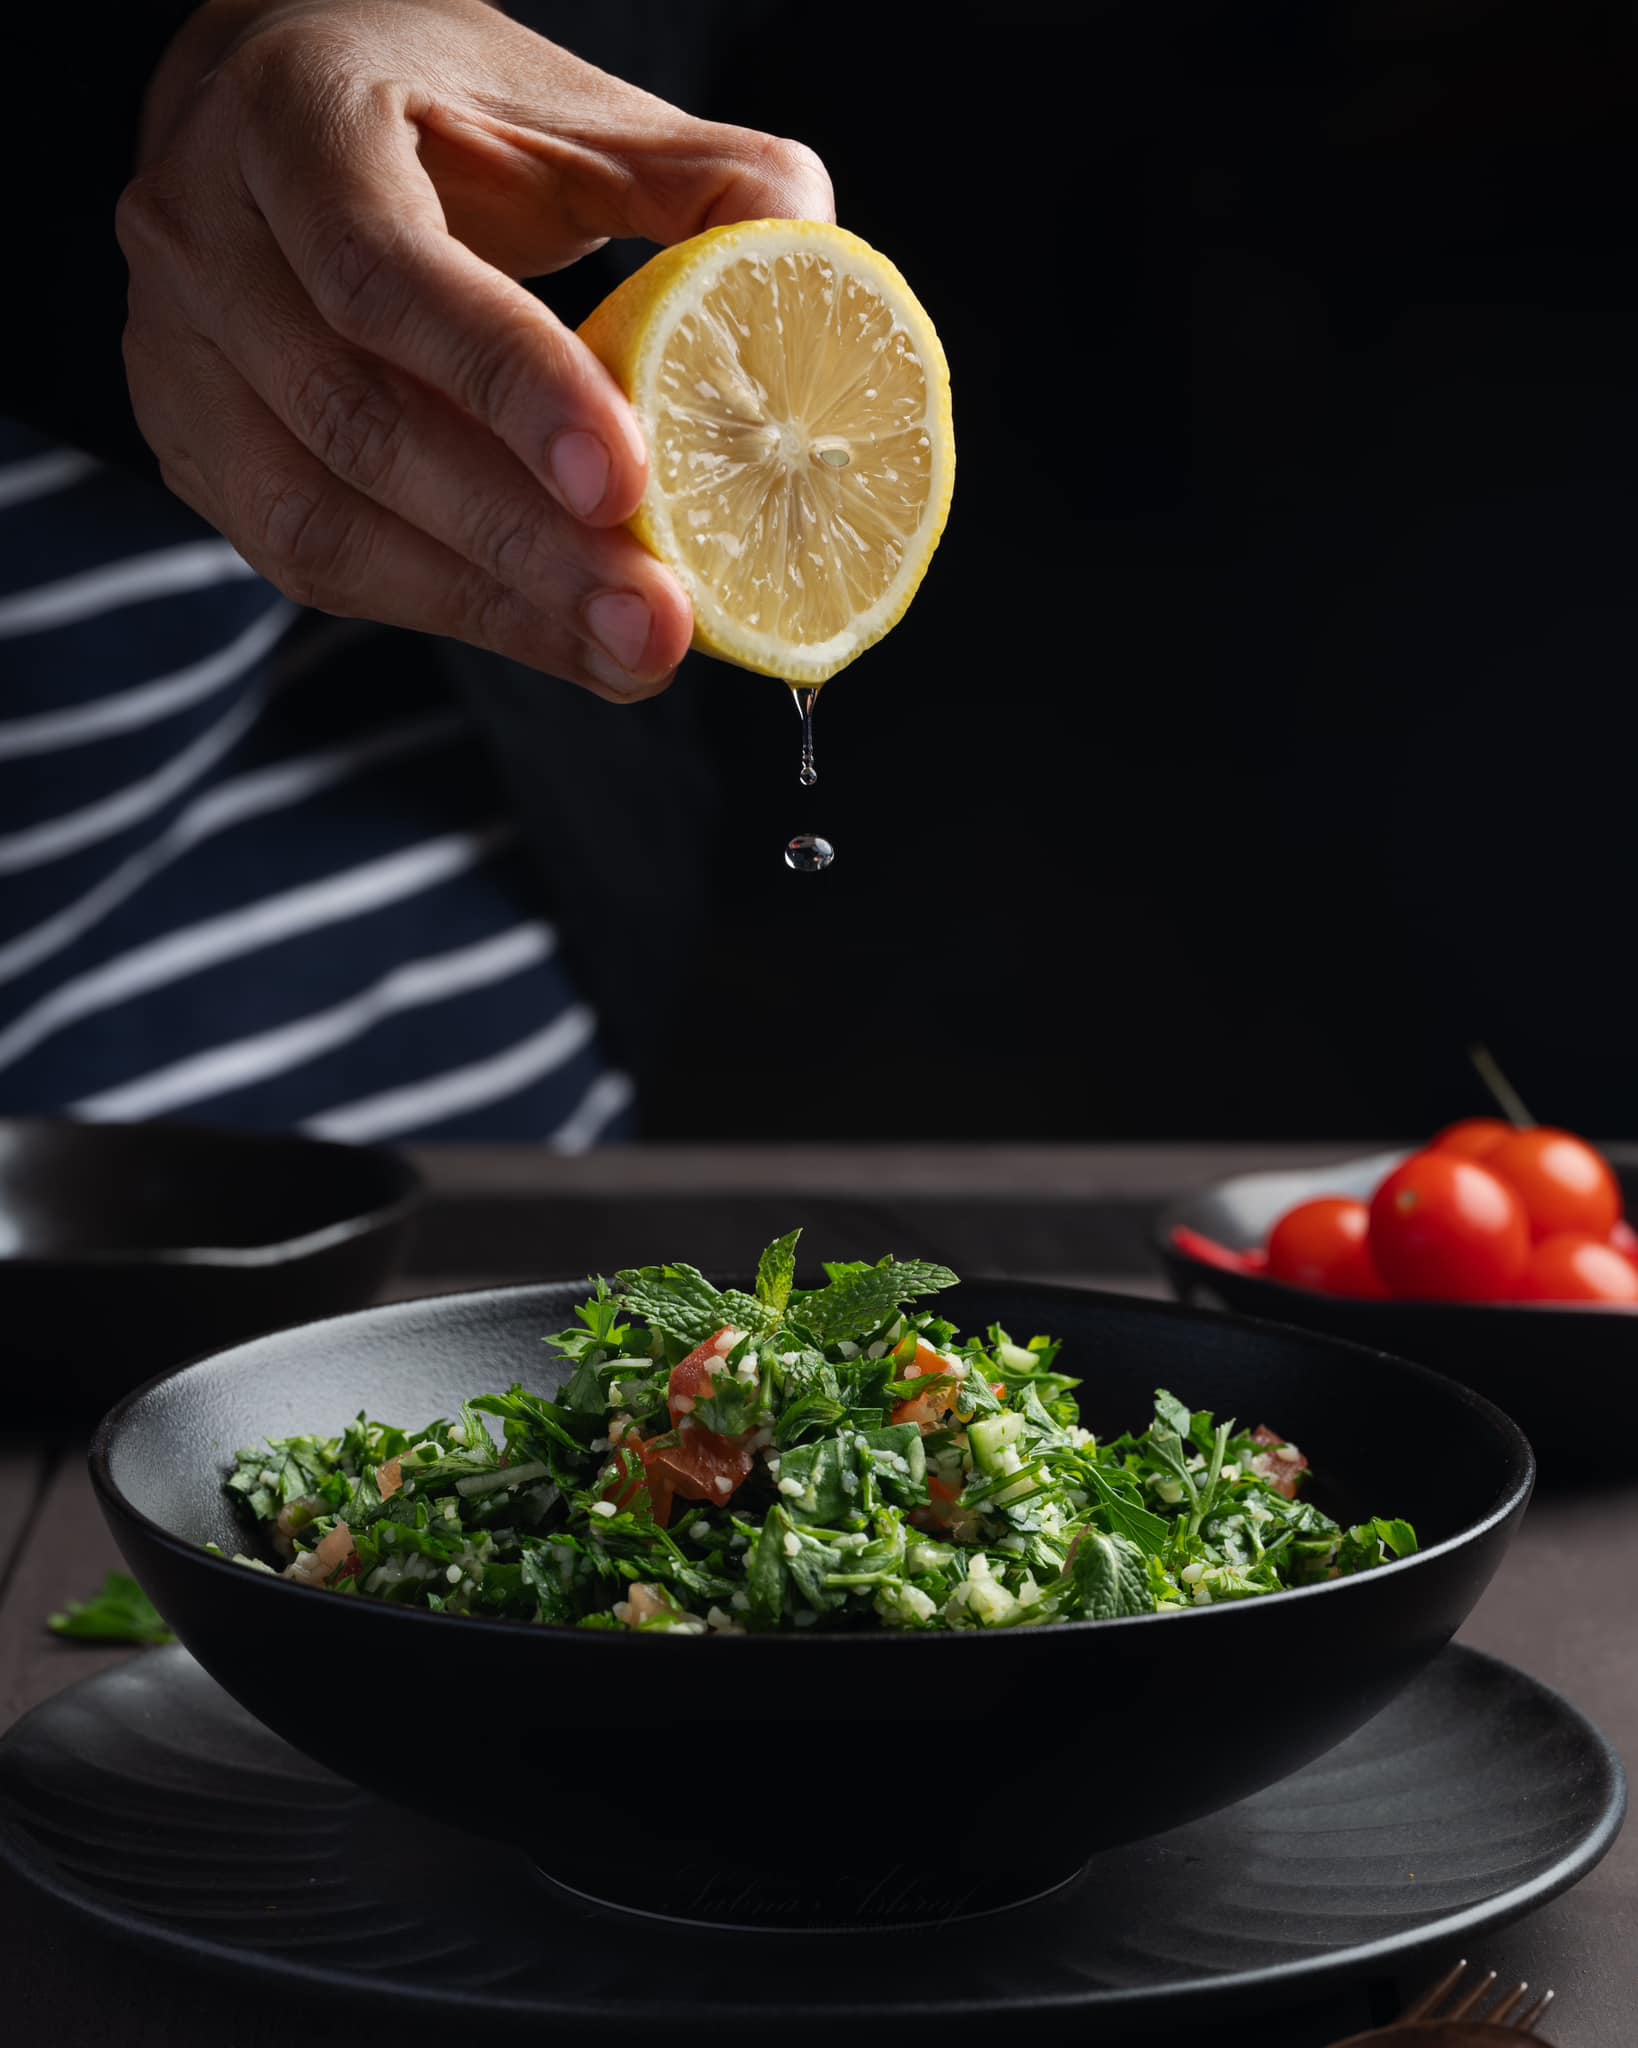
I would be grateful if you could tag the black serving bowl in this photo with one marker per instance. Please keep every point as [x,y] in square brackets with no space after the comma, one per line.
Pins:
[812,1779]
[1549,1364]
[126,1247]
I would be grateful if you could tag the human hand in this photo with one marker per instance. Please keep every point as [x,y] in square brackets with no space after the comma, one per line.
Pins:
[327,346]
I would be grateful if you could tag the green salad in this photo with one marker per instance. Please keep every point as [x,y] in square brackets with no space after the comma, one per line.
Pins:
[829,1457]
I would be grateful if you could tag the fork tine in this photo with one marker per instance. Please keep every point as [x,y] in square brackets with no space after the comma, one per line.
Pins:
[1429,1999]
[1480,1992]
[1526,2022]
[1499,2015]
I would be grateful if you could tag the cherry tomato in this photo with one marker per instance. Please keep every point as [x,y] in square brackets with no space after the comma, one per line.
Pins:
[1475,1137]
[1324,1245]
[1625,1240]
[1563,1183]
[1445,1228]
[1573,1267]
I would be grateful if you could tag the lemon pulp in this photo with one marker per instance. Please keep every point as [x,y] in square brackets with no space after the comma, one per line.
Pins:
[796,404]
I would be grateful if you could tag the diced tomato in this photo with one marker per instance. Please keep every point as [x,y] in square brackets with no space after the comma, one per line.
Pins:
[944,1514]
[928,1411]
[1281,1473]
[697,1464]
[626,1488]
[691,1380]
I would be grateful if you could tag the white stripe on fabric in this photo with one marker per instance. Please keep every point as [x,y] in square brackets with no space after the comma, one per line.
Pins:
[164,573]
[251,795]
[22,482]
[249,928]
[248,1061]
[56,838]
[596,1110]
[124,710]
[430,1102]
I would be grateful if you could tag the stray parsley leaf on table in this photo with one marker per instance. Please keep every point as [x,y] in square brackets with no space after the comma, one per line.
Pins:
[120,1613]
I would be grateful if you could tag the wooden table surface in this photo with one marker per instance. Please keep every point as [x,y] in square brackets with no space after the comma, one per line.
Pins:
[1562,1607]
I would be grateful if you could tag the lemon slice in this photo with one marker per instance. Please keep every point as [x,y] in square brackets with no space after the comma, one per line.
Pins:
[796,405]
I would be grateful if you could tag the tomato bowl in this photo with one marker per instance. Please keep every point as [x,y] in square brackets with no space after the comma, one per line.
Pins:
[810,1779]
[1548,1364]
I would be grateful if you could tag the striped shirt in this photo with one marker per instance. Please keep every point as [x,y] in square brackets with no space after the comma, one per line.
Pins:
[255,867]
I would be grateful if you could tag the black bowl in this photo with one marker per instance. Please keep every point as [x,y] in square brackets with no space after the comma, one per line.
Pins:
[126,1247]
[1546,1363]
[814,1779]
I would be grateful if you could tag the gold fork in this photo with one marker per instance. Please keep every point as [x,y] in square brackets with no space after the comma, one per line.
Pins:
[1469,2021]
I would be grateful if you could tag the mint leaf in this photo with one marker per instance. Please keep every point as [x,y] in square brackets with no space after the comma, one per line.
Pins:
[859,1301]
[775,1271]
[1110,1576]
[120,1613]
[676,1299]
[1171,1414]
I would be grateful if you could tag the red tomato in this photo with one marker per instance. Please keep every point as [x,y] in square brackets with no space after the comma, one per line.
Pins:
[1625,1240]
[691,1380]
[1475,1137]
[1574,1267]
[697,1464]
[1445,1228]
[689,1461]
[1563,1183]
[625,1488]
[1324,1245]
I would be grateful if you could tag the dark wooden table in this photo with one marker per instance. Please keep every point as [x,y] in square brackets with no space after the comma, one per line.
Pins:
[1562,1608]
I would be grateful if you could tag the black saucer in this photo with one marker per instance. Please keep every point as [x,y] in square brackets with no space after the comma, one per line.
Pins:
[148,1801]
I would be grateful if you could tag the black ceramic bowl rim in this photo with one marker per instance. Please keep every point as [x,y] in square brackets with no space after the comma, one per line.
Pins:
[402,1187]
[1514,1494]
[1174,1214]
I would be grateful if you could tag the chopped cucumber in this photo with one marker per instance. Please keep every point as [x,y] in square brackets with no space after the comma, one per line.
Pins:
[990,1435]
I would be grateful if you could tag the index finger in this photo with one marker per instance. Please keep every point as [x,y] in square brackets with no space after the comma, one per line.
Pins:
[360,224]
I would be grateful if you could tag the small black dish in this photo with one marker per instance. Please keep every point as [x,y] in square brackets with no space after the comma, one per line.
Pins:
[146,1801]
[582,1732]
[126,1247]
[1524,1356]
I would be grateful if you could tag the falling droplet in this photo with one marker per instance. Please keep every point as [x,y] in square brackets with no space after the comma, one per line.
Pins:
[808,775]
[809,854]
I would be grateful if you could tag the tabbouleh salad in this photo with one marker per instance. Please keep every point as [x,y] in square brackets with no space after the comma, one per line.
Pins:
[835,1457]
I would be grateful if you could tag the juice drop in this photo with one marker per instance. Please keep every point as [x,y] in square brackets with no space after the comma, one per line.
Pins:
[807,775]
[808,853]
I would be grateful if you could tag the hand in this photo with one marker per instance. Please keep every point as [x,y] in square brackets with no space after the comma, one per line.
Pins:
[327,347]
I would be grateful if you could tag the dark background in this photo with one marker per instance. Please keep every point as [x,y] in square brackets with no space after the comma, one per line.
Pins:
[1264,730]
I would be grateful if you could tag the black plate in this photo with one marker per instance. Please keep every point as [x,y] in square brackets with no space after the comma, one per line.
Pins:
[1521,1355]
[561,1715]
[148,1801]
[126,1247]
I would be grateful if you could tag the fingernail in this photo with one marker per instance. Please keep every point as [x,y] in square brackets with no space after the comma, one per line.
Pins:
[620,621]
[580,470]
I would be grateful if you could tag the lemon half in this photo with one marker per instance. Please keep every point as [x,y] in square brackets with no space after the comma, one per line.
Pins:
[796,406]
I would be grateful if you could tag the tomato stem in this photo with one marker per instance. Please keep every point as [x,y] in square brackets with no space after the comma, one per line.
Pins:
[1506,1095]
